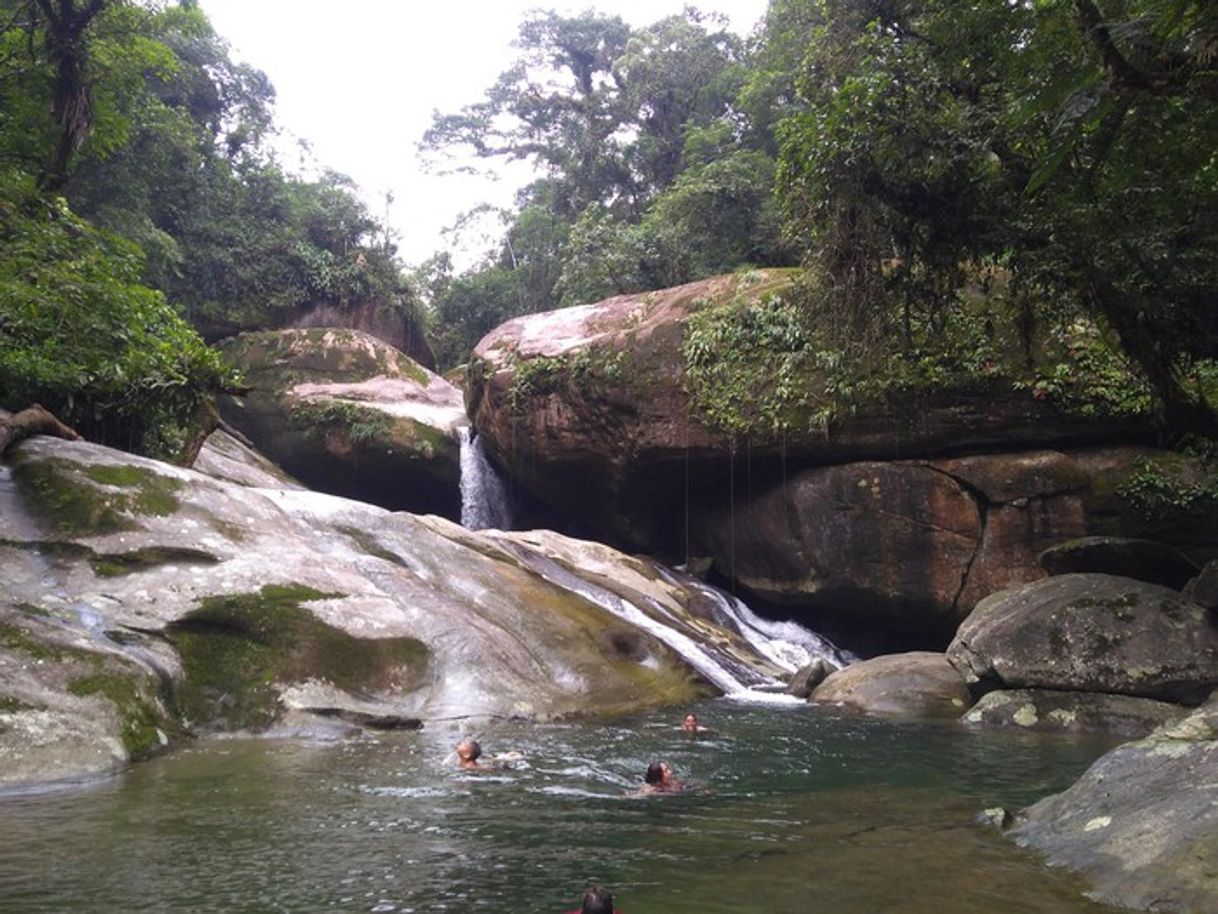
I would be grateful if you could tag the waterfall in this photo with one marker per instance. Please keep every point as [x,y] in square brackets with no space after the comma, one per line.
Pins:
[484,497]
[736,678]
[786,644]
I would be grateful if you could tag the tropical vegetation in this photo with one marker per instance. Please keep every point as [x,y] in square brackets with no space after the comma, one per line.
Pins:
[950,176]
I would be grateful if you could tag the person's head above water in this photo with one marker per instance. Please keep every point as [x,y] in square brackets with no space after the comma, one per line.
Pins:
[468,753]
[597,900]
[690,723]
[658,773]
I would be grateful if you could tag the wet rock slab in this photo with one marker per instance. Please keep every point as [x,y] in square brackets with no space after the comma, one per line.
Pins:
[1142,823]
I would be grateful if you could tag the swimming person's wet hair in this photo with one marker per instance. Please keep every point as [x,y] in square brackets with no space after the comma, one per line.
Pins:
[655,773]
[597,900]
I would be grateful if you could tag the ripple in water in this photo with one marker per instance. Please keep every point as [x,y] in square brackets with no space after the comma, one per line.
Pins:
[794,808]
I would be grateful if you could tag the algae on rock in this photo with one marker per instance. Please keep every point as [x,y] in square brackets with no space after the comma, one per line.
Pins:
[237,651]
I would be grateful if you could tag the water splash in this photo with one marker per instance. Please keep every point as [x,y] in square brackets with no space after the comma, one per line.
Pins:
[485,503]
[785,643]
[736,678]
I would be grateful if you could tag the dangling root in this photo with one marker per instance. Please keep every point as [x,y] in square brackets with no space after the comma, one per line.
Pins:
[36,420]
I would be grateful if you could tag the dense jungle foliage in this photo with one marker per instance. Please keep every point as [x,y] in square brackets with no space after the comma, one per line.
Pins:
[140,205]
[1022,169]
[1034,170]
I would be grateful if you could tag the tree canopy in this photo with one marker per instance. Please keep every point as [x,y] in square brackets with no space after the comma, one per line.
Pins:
[1068,146]
[134,155]
[651,175]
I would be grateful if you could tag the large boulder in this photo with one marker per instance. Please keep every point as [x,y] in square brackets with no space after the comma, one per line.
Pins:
[1144,560]
[596,407]
[143,601]
[1048,711]
[1141,824]
[710,423]
[1090,633]
[347,414]
[911,546]
[398,327]
[915,684]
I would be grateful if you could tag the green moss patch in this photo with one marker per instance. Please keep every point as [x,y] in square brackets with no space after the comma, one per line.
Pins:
[235,650]
[92,500]
[359,424]
[121,563]
[15,638]
[139,714]
[10,705]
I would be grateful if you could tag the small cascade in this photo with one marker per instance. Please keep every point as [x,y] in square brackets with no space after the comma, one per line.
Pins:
[485,503]
[735,677]
[786,644]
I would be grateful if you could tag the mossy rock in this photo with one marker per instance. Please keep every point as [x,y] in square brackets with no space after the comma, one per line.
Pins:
[346,414]
[142,703]
[79,499]
[237,650]
[144,724]
[280,358]
[116,564]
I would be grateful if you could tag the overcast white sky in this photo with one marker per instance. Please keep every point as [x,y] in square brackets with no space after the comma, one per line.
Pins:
[359,80]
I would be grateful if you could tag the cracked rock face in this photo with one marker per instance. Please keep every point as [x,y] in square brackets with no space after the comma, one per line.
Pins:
[1090,633]
[1141,824]
[912,546]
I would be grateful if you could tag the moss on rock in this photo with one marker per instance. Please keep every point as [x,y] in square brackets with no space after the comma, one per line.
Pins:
[94,500]
[358,424]
[237,649]
[111,565]
[143,723]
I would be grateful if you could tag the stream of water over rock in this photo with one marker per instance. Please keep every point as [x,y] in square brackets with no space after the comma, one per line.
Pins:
[485,501]
[794,808]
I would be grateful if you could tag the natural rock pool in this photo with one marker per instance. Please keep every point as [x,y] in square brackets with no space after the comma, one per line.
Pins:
[795,809]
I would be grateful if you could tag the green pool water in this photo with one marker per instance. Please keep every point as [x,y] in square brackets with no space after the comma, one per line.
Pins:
[793,809]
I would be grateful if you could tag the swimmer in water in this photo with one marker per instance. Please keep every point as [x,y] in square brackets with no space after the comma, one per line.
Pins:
[597,900]
[659,779]
[468,753]
[691,725]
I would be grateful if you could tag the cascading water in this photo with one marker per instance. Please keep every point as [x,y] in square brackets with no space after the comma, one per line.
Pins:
[485,503]
[717,663]
[787,644]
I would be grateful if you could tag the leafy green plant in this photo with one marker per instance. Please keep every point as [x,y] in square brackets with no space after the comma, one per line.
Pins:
[82,335]
[1158,488]
[748,363]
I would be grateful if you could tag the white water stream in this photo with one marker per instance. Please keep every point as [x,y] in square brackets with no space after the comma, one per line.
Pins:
[485,503]
[736,678]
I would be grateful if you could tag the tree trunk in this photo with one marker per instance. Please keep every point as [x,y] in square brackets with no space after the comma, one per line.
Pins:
[72,103]
[35,420]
